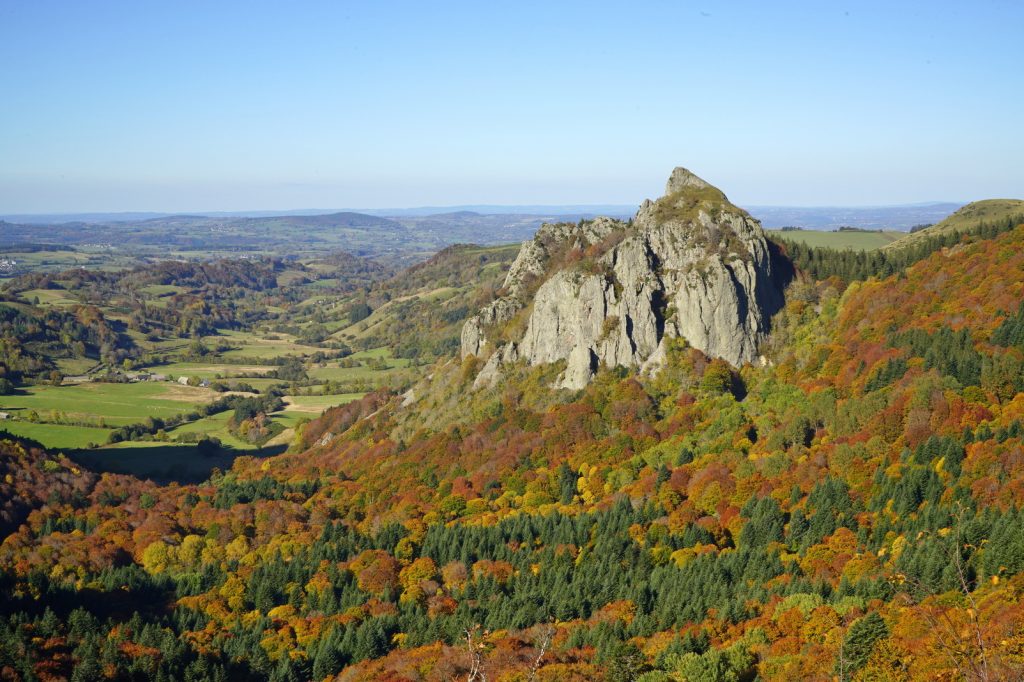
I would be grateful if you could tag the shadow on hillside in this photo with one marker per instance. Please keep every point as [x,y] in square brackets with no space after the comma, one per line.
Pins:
[783,274]
[173,463]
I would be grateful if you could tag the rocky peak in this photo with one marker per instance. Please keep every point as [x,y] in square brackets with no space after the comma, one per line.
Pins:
[691,265]
[682,179]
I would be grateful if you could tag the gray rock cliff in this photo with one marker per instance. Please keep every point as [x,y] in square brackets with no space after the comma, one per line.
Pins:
[604,292]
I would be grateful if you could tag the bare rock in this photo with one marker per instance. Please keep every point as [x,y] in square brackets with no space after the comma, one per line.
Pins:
[691,265]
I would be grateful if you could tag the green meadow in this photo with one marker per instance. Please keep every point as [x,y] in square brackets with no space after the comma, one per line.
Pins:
[315,404]
[57,297]
[859,241]
[57,436]
[210,370]
[115,404]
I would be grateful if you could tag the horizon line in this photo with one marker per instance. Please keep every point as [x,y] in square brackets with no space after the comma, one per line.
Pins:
[382,212]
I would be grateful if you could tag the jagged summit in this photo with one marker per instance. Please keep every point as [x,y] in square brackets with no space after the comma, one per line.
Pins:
[682,179]
[690,265]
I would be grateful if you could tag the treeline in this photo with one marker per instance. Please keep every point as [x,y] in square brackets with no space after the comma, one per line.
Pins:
[244,407]
[33,247]
[850,265]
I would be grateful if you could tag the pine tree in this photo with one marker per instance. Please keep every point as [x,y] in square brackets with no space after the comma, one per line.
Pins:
[860,639]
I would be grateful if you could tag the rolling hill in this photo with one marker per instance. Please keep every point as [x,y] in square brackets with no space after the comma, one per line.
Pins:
[965,219]
[847,505]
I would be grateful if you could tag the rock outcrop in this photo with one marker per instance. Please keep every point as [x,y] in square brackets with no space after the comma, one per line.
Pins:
[689,265]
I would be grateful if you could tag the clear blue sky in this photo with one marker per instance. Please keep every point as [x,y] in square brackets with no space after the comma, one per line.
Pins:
[223,105]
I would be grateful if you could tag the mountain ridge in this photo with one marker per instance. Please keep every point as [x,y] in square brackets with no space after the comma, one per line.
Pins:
[965,219]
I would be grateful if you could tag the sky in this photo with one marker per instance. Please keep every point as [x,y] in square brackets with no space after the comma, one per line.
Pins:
[191,106]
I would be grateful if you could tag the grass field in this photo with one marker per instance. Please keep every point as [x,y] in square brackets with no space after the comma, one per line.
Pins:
[117,404]
[57,297]
[62,260]
[334,372]
[315,404]
[209,370]
[253,345]
[162,289]
[859,241]
[57,436]
[289,419]
[298,407]
[214,426]
[74,366]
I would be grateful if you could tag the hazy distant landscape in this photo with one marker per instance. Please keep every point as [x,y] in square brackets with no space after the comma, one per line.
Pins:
[511,342]
[394,237]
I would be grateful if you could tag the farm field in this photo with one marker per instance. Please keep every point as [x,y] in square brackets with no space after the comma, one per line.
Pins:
[75,366]
[115,404]
[214,426]
[161,289]
[361,372]
[358,373]
[32,261]
[57,436]
[315,404]
[209,370]
[859,241]
[172,460]
[255,345]
[57,297]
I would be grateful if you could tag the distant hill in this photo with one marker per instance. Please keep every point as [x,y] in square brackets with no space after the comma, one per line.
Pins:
[900,218]
[965,219]
[399,241]
[491,209]
[343,219]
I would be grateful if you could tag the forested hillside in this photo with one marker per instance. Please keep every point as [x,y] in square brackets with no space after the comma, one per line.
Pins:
[850,509]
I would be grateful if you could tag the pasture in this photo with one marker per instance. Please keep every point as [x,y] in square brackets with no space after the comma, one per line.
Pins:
[114,404]
[857,241]
[57,436]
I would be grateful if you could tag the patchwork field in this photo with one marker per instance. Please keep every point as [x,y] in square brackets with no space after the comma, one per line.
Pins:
[254,345]
[119,404]
[32,261]
[83,414]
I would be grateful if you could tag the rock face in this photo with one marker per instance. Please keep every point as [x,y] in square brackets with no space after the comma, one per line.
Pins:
[690,265]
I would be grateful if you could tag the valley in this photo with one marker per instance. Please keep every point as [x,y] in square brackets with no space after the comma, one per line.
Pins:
[295,332]
[624,450]
[511,342]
